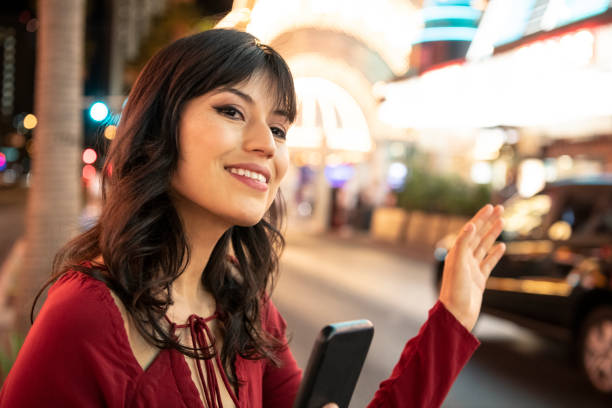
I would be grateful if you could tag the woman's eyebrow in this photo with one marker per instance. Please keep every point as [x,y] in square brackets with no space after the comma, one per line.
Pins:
[247,98]
[282,112]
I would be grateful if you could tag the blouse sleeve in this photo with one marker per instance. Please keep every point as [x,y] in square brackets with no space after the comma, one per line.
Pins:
[429,364]
[67,359]
[280,384]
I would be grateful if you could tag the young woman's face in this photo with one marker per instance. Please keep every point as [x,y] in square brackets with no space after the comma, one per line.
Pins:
[232,152]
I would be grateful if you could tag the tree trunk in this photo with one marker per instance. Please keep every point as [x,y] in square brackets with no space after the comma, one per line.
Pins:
[54,199]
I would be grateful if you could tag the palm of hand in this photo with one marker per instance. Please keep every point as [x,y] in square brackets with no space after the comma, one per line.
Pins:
[469,264]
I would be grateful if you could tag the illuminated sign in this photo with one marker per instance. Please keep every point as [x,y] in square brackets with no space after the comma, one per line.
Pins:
[505,22]
[448,21]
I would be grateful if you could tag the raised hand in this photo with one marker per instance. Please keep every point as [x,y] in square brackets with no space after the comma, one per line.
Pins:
[469,263]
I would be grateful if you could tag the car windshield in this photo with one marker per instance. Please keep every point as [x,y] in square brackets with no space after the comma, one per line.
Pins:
[524,217]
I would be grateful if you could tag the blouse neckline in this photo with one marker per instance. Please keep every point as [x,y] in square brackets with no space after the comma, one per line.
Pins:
[203,341]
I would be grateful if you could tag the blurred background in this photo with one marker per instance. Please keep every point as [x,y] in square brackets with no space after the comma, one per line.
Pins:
[412,115]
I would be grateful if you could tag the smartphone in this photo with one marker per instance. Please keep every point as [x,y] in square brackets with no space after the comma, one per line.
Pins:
[334,364]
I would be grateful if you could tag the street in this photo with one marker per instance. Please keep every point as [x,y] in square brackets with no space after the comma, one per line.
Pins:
[326,279]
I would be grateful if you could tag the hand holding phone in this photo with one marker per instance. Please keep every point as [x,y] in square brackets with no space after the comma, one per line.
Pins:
[335,364]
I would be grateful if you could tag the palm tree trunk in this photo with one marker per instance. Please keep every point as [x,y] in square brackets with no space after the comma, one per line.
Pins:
[54,200]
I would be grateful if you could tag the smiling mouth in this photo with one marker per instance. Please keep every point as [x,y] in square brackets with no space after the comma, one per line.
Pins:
[253,175]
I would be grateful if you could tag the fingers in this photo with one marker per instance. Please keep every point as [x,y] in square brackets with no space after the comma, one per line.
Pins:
[482,216]
[495,254]
[465,235]
[488,239]
[482,222]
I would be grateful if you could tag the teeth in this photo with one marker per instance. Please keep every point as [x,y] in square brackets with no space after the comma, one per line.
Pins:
[250,174]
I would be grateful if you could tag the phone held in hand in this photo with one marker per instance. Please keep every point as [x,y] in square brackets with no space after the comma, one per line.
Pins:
[334,364]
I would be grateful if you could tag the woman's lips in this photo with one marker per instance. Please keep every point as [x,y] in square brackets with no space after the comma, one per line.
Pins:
[256,184]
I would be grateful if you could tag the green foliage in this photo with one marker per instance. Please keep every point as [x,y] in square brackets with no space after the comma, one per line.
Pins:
[446,194]
[181,19]
[8,353]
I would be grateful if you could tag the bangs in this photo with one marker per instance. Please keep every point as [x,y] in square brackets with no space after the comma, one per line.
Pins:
[280,85]
[228,58]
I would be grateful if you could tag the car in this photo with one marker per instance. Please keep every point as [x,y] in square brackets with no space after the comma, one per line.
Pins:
[556,274]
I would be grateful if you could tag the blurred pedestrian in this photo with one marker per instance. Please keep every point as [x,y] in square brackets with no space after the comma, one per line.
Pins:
[165,301]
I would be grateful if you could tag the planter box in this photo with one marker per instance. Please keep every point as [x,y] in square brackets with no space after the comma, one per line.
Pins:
[414,228]
[388,224]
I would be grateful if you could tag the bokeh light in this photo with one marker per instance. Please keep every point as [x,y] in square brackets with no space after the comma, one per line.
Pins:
[30,121]
[89,172]
[531,178]
[481,172]
[89,156]
[98,111]
[10,153]
[110,132]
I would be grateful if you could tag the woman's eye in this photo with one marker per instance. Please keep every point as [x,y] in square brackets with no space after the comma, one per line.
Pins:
[230,112]
[278,132]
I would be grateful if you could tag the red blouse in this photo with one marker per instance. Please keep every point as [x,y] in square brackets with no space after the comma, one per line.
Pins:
[77,354]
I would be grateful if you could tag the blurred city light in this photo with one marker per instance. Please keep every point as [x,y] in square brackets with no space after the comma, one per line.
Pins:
[110,131]
[9,176]
[447,34]
[522,215]
[488,143]
[327,109]
[98,111]
[2,161]
[531,177]
[448,21]
[10,153]
[32,25]
[304,209]
[388,27]
[560,231]
[396,175]
[452,12]
[89,156]
[89,172]
[565,162]
[338,175]
[481,172]
[528,86]
[30,121]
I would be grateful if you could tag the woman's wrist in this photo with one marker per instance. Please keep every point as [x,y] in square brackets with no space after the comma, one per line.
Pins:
[465,320]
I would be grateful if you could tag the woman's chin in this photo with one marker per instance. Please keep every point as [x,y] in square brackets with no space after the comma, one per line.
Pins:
[246,220]
[246,224]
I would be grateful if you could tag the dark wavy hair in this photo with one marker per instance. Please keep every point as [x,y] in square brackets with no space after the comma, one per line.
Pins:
[139,233]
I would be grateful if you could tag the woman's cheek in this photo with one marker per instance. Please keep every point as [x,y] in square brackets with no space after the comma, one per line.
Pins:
[283,163]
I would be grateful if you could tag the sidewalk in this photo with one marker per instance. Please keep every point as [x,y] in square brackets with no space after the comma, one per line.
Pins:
[356,239]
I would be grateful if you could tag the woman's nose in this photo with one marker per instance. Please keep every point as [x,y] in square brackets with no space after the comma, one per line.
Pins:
[259,138]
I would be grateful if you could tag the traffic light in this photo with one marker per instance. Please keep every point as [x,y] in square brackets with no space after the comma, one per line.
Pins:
[98,111]
[97,116]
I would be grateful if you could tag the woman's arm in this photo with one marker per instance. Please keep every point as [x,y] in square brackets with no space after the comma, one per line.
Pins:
[432,360]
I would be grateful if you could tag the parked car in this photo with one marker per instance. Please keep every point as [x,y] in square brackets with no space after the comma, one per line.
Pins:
[556,274]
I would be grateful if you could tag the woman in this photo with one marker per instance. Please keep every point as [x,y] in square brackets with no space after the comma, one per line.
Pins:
[165,301]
